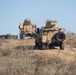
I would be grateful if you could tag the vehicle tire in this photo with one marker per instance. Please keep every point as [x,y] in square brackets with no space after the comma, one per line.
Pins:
[36,43]
[44,46]
[23,37]
[61,46]
[20,36]
[60,36]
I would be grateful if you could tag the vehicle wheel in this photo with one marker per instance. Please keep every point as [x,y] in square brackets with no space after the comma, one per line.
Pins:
[35,42]
[20,36]
[44,46]
[23,37]
[62,46]
[34,36]
[60,36]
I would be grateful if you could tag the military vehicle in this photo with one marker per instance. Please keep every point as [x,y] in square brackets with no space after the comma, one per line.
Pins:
[27,29]
[50,35]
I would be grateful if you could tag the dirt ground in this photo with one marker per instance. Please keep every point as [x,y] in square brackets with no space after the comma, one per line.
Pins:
[17,57]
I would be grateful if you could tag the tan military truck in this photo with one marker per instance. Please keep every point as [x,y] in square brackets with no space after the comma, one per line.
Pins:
[50,36]
[27,29]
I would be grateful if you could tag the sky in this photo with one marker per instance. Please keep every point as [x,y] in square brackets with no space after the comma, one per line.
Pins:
[12,12]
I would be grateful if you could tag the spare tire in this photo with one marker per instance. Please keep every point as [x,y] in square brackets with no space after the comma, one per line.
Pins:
[60,36]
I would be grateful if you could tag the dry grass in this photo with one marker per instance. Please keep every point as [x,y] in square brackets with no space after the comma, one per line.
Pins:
[29,63]
[71,39]
[16,60]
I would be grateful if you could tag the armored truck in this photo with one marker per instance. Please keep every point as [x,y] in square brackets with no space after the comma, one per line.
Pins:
[50,35]
[27,29]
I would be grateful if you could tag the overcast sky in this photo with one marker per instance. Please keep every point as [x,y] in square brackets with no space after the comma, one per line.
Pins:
[12,12]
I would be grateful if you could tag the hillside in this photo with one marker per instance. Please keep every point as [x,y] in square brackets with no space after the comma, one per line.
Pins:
[17,57]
